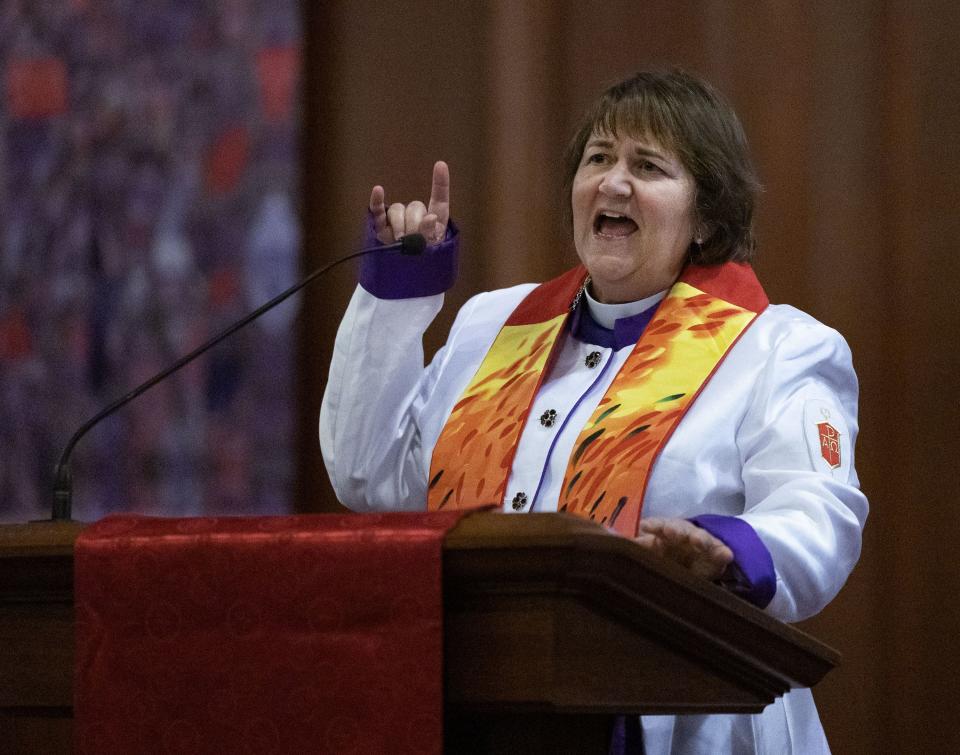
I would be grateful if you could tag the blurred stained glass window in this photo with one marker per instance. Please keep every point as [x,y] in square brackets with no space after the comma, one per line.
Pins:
[148,197]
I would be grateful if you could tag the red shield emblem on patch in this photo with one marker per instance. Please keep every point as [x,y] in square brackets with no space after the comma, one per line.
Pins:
[829,444]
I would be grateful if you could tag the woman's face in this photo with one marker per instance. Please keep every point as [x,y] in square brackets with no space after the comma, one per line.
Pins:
[632,216]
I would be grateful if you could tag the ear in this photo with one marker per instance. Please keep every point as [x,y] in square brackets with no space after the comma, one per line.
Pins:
[702,232]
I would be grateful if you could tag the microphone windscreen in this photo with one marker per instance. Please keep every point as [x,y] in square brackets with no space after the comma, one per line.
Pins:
[413,243]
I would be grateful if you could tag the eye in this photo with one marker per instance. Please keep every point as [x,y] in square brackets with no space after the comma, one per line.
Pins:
[596,158]
[647,166]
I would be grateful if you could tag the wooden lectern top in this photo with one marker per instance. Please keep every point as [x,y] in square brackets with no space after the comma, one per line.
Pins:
[553,612]
[545,615]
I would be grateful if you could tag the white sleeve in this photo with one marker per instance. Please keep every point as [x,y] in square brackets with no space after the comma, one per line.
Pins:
[369,433]
[803,500]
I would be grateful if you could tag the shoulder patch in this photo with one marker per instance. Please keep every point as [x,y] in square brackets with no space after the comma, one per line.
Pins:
[828,440]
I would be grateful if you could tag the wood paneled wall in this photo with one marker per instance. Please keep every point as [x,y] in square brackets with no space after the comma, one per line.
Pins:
[852,111]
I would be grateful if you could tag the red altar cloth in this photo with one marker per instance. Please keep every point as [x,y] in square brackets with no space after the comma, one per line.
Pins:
[260,635]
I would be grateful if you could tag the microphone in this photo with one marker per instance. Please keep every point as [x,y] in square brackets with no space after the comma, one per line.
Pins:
[411,244]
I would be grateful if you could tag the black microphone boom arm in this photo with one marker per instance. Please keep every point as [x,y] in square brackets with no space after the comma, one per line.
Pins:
[63,482]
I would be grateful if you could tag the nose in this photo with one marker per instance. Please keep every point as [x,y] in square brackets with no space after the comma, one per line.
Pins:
[616,182]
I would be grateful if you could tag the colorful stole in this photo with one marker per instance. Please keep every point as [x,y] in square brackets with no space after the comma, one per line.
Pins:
[693,329]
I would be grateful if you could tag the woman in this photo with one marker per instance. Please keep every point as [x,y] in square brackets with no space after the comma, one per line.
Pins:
[654,379]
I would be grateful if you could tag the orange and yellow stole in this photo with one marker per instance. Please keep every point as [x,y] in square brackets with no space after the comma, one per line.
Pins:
[693,329]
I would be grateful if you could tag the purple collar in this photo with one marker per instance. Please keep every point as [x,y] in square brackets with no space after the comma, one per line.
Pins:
[626,331]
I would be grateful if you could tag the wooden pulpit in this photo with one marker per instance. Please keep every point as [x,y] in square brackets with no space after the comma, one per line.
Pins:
[552,626]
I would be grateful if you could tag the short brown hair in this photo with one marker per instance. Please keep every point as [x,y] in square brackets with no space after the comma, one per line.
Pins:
[691,119]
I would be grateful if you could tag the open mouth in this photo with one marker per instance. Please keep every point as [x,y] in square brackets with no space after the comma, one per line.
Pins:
[613,225]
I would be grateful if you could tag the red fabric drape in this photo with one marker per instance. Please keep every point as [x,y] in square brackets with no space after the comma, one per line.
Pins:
[262,635]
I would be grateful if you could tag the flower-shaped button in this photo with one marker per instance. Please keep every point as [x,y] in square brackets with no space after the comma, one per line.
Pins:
[519,501]
[592,360]
[549,418]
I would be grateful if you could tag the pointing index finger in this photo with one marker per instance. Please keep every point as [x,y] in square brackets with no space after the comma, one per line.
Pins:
[440,192]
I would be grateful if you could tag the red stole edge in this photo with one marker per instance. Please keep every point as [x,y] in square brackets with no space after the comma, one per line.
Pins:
[549,299]
[734,282]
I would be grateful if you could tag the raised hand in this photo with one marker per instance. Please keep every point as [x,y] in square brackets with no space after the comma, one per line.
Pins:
[688,545]
[397,220]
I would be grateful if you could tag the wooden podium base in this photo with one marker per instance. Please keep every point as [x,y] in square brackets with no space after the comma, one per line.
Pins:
[552,626]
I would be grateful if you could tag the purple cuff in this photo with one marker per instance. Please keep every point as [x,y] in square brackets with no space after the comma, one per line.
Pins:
[392,275]
[751,575]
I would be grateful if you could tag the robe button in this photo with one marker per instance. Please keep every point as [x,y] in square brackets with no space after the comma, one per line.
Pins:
[592,360]
[519,501]
[549,418]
